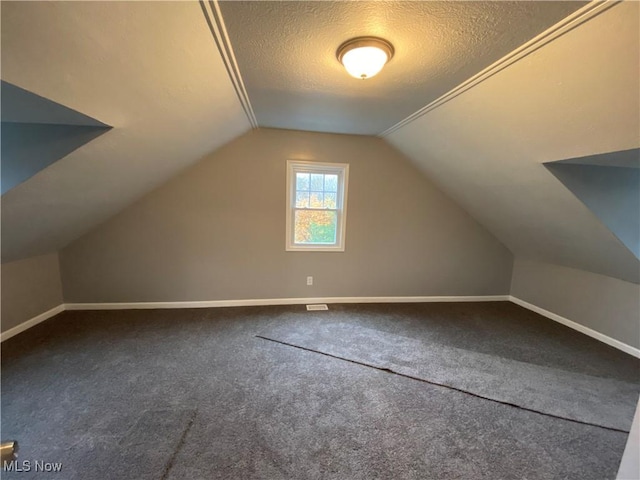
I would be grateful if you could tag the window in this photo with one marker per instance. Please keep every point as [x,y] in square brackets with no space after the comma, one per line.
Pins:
[316,206]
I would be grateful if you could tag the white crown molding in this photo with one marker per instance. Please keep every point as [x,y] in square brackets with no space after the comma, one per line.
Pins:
[576,326]
[567,24]
[31,323]
[213,16]
[329,300]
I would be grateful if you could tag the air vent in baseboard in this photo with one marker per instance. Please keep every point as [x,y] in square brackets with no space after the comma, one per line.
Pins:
[318,306]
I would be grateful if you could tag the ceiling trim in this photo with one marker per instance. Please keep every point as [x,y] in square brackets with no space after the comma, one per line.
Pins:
[213,15]
[577,18]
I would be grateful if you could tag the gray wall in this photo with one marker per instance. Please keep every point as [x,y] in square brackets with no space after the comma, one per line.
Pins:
[612,193]
[37,132]
[217,231]
[28,148]
[604,304]
[29,287]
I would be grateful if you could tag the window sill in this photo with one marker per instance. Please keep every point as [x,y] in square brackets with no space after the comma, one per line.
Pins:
[292,248]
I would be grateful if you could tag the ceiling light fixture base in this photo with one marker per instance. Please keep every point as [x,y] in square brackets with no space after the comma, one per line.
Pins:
[364,57]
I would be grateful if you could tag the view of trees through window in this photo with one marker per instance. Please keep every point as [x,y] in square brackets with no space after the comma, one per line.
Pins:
[316,216]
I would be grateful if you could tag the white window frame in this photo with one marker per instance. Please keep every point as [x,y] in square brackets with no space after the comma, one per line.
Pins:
[339,169]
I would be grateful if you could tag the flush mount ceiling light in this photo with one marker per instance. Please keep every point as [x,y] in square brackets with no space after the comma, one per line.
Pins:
[364,57]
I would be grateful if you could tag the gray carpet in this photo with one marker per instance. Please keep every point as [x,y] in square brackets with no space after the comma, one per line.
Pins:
[574,396]
[146,451]
[193,394]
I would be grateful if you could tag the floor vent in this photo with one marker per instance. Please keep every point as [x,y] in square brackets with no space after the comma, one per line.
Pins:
[317,306]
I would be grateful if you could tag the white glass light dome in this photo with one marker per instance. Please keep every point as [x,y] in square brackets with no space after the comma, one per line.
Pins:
[364,57]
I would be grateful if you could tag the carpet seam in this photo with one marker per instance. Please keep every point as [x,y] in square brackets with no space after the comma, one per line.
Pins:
[169,466]
[388,370]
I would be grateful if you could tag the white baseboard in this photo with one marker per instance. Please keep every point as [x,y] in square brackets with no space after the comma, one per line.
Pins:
[580,328]
[303,301]
[279,301]
[237,303]
[31,322]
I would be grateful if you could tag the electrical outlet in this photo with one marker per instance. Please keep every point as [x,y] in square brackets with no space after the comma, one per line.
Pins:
[309,280]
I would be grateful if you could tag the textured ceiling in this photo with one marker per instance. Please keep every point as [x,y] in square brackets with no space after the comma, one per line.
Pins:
[286,53]
[152,70]
[574,97]
[149,69]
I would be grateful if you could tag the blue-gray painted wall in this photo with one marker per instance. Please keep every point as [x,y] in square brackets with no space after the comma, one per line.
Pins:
[27,148]
[22,106]
[611,192]
[621,158]
[37,132]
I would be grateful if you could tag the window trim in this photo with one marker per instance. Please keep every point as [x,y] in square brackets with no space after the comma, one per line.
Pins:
[342,170]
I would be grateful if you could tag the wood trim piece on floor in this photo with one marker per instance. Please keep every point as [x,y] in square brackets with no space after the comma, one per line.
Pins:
[31,322]
[576,326]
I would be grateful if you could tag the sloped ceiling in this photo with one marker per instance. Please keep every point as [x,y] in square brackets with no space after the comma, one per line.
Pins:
[152,71]
[577,95]
[287,55]
[149,69]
